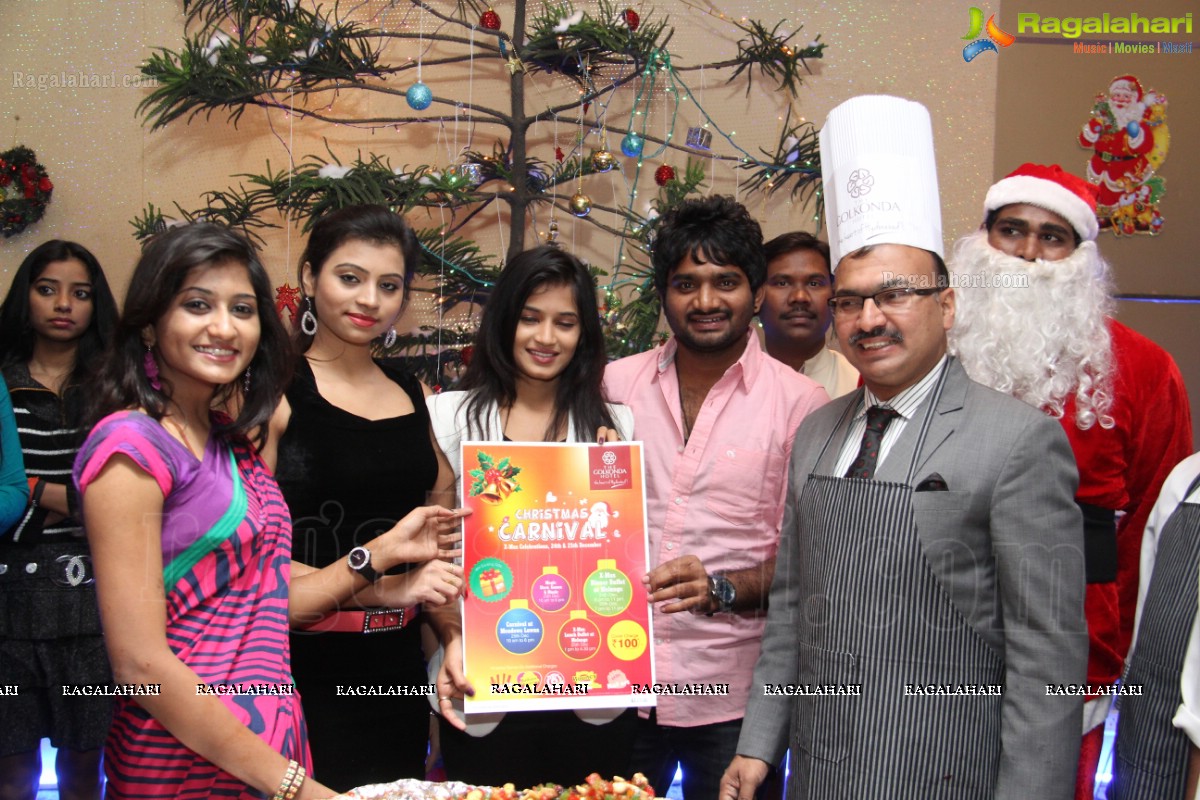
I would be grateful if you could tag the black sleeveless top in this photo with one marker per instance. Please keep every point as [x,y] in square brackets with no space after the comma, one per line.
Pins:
[347,479]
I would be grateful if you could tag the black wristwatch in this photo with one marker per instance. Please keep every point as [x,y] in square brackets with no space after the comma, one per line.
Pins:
[722,591]
[359,560]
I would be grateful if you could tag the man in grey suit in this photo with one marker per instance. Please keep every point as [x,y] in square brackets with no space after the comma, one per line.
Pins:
[926,636]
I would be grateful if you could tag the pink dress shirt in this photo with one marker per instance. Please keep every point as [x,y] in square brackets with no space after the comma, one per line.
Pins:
[718,497]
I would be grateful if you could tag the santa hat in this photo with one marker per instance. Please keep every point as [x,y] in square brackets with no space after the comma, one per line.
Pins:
[1048,187]
[1129,83]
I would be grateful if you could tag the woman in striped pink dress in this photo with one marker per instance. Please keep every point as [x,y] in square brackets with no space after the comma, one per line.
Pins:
[191,539]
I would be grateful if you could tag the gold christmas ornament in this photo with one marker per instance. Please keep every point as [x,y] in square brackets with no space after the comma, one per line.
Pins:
[581,204]
[603,161]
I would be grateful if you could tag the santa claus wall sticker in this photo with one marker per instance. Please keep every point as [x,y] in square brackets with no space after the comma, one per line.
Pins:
[1128,134]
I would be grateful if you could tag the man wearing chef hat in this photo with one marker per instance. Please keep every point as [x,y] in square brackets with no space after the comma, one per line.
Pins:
[925,635]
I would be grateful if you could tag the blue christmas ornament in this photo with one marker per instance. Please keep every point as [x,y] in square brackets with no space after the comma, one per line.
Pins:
[419,96]
[632,144]
[1132,129]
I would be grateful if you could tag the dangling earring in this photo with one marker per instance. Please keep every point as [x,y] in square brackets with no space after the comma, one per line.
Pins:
[246,382]
[308,320]
[151,367]
[390,340]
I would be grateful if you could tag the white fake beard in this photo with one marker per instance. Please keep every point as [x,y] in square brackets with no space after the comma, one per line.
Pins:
[1043,342]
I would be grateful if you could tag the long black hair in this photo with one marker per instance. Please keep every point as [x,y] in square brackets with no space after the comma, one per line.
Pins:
[17,337]
[362,223]
[160,273]
[491,375]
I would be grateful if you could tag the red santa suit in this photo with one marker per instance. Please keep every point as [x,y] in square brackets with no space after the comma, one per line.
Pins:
[1122,469]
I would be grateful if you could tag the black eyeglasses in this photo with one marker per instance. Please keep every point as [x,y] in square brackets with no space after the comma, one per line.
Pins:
[899,298]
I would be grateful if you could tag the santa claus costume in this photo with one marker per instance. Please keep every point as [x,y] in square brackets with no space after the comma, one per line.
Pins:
[1120,398]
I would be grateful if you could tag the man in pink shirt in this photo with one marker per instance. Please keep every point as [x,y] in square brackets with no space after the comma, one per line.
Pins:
[717,416]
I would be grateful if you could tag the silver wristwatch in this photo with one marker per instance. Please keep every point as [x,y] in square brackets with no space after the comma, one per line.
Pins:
[722,591]
[359,560]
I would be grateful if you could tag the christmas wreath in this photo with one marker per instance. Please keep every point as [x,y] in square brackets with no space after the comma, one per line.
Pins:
[25,190]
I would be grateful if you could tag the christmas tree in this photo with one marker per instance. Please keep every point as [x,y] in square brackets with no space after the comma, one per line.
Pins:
[564,65]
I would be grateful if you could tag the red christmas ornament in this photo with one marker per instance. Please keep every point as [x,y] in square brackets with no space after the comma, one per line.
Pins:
[287,298]
[664,175]
[631,19]
[490,20]
[558,154]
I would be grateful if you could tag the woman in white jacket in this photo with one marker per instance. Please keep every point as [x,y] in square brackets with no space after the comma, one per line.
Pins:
[536,375]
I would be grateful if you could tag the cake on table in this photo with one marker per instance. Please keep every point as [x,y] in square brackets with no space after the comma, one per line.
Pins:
[593,788]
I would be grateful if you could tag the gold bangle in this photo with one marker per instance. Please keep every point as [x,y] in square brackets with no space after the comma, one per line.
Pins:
[285,785]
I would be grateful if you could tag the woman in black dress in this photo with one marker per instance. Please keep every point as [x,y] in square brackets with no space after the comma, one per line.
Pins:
[55,322]
[356,456]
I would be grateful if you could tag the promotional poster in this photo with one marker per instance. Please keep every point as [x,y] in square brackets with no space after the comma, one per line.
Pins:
[556,615]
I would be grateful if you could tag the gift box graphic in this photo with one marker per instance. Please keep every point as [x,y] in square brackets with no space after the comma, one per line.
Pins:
[491,582]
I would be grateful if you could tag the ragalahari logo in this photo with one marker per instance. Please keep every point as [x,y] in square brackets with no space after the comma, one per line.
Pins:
[995,35]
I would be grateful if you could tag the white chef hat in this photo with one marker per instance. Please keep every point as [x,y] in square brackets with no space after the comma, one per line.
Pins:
[879,176]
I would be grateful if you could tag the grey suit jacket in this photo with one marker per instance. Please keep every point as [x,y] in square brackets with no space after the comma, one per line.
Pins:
[1006,542]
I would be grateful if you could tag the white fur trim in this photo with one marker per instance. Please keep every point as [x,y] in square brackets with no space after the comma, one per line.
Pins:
[1095,712]
[1044,194]
[1090,134]
[1127,85]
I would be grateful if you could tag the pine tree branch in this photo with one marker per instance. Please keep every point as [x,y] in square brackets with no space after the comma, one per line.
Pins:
[281,55]
[483,114]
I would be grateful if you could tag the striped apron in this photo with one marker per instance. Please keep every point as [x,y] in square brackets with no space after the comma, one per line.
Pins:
[1152,754]
[874,615]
